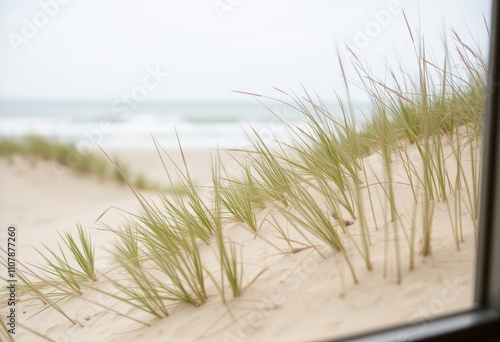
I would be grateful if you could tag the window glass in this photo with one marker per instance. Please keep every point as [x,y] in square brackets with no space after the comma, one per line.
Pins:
[232,170]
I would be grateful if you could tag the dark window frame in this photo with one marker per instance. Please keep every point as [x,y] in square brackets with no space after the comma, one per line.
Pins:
[482,322]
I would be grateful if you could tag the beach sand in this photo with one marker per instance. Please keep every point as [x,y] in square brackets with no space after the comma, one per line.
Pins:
[300,296]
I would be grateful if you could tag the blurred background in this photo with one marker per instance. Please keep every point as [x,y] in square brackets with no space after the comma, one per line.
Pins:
[118,71]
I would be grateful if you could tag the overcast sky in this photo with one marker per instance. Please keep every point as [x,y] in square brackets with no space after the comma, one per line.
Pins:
[96,50]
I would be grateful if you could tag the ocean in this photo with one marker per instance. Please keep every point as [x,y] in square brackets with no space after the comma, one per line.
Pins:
[199,125]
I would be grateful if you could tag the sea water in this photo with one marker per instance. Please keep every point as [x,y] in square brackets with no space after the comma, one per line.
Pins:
[196,124]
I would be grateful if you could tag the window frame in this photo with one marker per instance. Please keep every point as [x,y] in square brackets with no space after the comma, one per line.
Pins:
[482,322]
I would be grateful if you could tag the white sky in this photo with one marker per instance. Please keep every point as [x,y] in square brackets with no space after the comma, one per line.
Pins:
[97,50]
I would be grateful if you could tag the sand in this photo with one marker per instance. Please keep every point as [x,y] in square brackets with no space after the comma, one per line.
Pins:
[297,297]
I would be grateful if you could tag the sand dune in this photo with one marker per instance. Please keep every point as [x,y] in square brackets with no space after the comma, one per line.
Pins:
[291,296]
